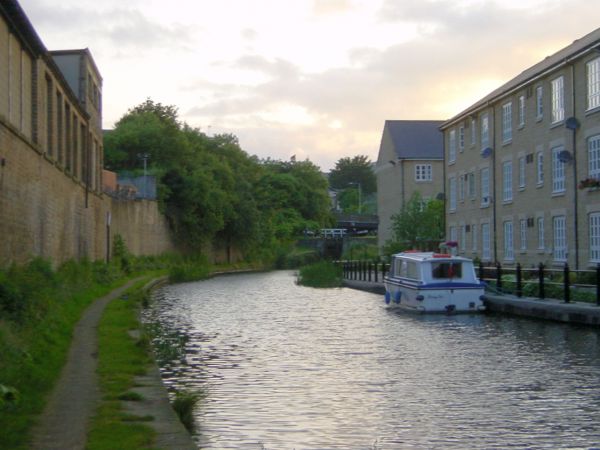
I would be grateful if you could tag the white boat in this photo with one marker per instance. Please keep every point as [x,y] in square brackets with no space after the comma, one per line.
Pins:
[430,282]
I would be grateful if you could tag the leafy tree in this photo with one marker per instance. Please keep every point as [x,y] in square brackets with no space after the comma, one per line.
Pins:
[348,172]
[419,224]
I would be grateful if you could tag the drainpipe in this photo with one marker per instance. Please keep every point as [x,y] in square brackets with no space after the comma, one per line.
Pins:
[495,194]
[573,124]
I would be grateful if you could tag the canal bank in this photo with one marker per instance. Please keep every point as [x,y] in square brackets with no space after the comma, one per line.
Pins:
[547,309]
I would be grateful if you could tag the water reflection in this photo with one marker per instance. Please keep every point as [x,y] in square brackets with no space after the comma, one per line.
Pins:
[285,366]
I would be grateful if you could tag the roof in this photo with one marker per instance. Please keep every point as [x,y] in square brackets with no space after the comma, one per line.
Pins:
[430,256]
[416,139]
[21,26]
[587,43]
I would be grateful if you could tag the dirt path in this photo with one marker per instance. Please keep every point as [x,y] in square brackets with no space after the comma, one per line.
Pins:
[64,422]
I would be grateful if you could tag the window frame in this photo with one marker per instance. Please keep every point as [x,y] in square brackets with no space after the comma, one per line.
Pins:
[507,175]
[509,245]
[558,99]
[559,238]
[558,172]
[593,84]
[507,122]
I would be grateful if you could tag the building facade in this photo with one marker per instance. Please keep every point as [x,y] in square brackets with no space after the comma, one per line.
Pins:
[410,160]
[521,165]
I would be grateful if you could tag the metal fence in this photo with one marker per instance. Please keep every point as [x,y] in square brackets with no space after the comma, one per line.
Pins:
[541,281]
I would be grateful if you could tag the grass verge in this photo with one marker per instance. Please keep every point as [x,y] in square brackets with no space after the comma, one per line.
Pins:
[121,357]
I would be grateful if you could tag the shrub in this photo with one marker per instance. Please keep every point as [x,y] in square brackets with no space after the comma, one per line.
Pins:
[321,274]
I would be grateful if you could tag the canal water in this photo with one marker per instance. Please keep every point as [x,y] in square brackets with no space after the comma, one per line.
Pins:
[288,367]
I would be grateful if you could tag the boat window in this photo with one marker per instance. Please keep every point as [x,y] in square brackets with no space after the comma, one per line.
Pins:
[411,270]
[446,270]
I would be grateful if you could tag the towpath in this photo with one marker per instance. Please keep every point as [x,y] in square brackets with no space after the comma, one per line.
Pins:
[66,418]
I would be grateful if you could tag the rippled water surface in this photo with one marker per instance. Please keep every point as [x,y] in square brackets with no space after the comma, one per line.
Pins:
[284,366]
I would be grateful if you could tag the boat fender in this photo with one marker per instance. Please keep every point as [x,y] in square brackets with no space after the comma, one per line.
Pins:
[388,298]
[397,296]
[420,298]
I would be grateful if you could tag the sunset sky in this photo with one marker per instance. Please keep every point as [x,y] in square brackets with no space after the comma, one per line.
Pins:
[311,78]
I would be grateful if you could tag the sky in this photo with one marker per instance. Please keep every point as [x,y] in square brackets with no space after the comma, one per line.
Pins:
[314,79]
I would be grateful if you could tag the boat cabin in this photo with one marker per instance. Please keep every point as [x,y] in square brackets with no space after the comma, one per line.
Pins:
[428,267]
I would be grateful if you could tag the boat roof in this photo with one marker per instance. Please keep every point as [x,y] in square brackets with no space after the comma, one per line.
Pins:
[430,256]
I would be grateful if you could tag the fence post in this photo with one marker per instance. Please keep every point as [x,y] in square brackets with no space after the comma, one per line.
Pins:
[370,268]
[498,276]
[542,290]
[382,270]
[598,284]
[481,271]
[566,283]
[364,271]
[519,281]
[375,271]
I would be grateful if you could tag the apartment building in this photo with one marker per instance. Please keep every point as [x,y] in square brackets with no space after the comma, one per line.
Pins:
[522,164]
[410,160]
[51,100]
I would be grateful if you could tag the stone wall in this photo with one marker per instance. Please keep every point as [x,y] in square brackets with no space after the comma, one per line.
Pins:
[46,212]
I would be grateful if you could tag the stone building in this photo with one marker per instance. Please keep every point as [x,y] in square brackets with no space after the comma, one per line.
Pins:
[51,156]
[521,165]
[410,160]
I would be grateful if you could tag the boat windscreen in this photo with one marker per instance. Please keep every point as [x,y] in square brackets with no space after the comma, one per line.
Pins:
[446,269]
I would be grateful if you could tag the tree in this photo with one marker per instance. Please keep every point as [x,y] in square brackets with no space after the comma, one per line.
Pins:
[348,172]
[418,225]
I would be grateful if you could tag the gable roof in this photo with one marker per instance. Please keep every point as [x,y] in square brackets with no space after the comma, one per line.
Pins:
[589,42]
[416,139]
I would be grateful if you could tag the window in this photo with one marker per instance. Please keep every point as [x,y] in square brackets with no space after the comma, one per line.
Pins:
[594,156]
[539,103]
[423,172]
[473,131]
[452,189]
[446,270]
[485,132]
[507,122]
[485,241]
[461,138]
[461,188]
[558,171]
[559,225]
[558,100]
[452,147]
[474,237]
[523,234]
[485,186]
[593,84]
[507,195]
[540,233]
[521,111]
[49,116]
[471,184]
[540,168]
[522,172]
[595,237]
[462,242]
[508,241]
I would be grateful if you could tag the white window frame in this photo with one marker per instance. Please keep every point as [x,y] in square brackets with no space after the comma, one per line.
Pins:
[462,242]
[509,250]
[594,233]
[473,131]
[485,186]
[452,146]
[507,122]
[452,191]
[539,102]
[540,233]
[507,192]
[474,237]
[423,172]
[461,188]
[558,171]
[540,168]
[559,235]
[521,111]
[461,138]
[558,99]
[523,234]
[486,248]
[593,84]
[485,131]
[471,185]
[594,156]
[522,172]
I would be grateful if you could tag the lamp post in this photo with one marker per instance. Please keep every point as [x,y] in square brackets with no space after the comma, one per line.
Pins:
[144,157]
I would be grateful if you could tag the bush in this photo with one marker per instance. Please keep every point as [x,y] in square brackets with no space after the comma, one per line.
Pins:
[184,404]
[190,269]
[322,274]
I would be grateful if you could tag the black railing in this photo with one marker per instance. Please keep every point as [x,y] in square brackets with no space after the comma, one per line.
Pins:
[541,282]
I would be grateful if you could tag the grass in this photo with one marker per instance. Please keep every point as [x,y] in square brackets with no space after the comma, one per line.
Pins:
[184,404]
[323,274]
[121,358]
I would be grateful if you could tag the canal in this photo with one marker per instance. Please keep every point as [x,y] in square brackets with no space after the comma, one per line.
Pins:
[283,366]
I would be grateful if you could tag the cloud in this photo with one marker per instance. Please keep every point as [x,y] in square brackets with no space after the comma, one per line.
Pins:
[327,7]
